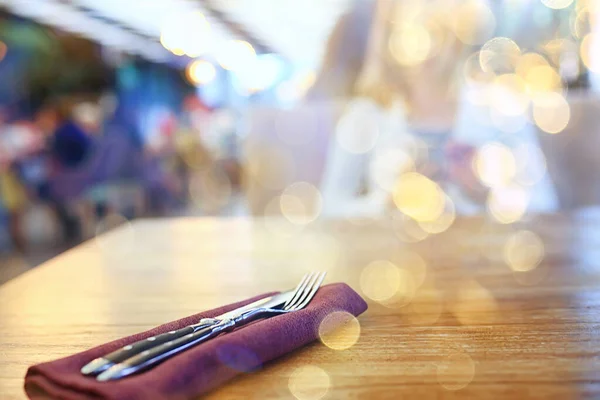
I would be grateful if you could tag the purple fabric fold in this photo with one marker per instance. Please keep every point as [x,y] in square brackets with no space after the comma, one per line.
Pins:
[201,368]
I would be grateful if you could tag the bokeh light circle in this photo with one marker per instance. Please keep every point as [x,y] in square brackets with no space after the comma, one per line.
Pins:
[443,222]
[309,382]
[499,55]
[474,22]
[200,72]
[589,55]
[551,113]
[339,330]
[456,371]
[494,164]
[410,44]
[301,203]
[419,197]
[380,280]
[557,4]
[523,251]
[508,204]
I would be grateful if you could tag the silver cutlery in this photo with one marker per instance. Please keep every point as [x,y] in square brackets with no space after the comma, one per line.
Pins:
[103,363]
[300,298]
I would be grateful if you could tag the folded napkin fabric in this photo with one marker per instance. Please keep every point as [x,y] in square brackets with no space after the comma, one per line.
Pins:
[200,368]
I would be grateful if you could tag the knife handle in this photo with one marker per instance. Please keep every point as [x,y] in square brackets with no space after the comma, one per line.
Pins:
[103,363]
[157,354]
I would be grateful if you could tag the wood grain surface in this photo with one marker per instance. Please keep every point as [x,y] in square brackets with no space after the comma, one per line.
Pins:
[448,317]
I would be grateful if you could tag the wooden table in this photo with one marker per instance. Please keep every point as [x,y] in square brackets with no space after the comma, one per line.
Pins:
[474,328]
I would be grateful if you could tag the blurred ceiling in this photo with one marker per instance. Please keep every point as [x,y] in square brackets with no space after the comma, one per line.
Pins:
[295,29]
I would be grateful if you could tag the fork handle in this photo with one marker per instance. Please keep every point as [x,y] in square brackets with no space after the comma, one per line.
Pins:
[103,363]
[157,354]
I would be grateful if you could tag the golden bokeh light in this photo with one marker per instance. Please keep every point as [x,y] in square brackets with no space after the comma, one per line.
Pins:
[187,34]
[386,283]
[406,290]
[499,55]
[557,4]
[178,51]
[380,280]
[474,73]
[456,371]
[339,330]
[414,264]
[541,79]
[528,61]
[407,229]
[508,95]
[388,164]
[443,222]
[474,22]
[581,21]
[410,44]
[309,382]
[301,203]
[419,197]
[551,113]
[236,54]
[494,164]
[200,72]
[588,54]
[508,204]
[523,251]
[554,47]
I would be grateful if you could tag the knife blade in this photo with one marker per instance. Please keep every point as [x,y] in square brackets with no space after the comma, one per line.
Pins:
[105,362]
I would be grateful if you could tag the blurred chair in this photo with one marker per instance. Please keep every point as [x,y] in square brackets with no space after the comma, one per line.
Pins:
[572,155]
[111,177]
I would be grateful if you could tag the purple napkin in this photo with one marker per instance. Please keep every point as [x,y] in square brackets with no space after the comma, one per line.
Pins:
[201,368]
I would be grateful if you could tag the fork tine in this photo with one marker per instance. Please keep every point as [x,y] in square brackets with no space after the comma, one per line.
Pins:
[315,288]
[305,291]
[299,289]
[308,293]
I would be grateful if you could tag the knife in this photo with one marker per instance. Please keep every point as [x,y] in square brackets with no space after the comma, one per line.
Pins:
[157,354]
[199,329]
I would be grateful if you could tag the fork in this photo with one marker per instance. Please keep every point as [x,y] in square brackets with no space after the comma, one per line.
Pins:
[303,294]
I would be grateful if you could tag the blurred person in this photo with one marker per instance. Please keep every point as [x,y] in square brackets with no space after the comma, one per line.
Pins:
[14,200]
[14,141]
[405,107]
[70,147]
[120,163]
[163,186]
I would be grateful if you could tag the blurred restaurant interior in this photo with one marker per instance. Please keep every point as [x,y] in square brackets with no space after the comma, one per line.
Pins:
[417,110]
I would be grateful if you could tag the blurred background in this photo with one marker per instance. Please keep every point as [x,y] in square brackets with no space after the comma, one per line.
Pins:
[416,111]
